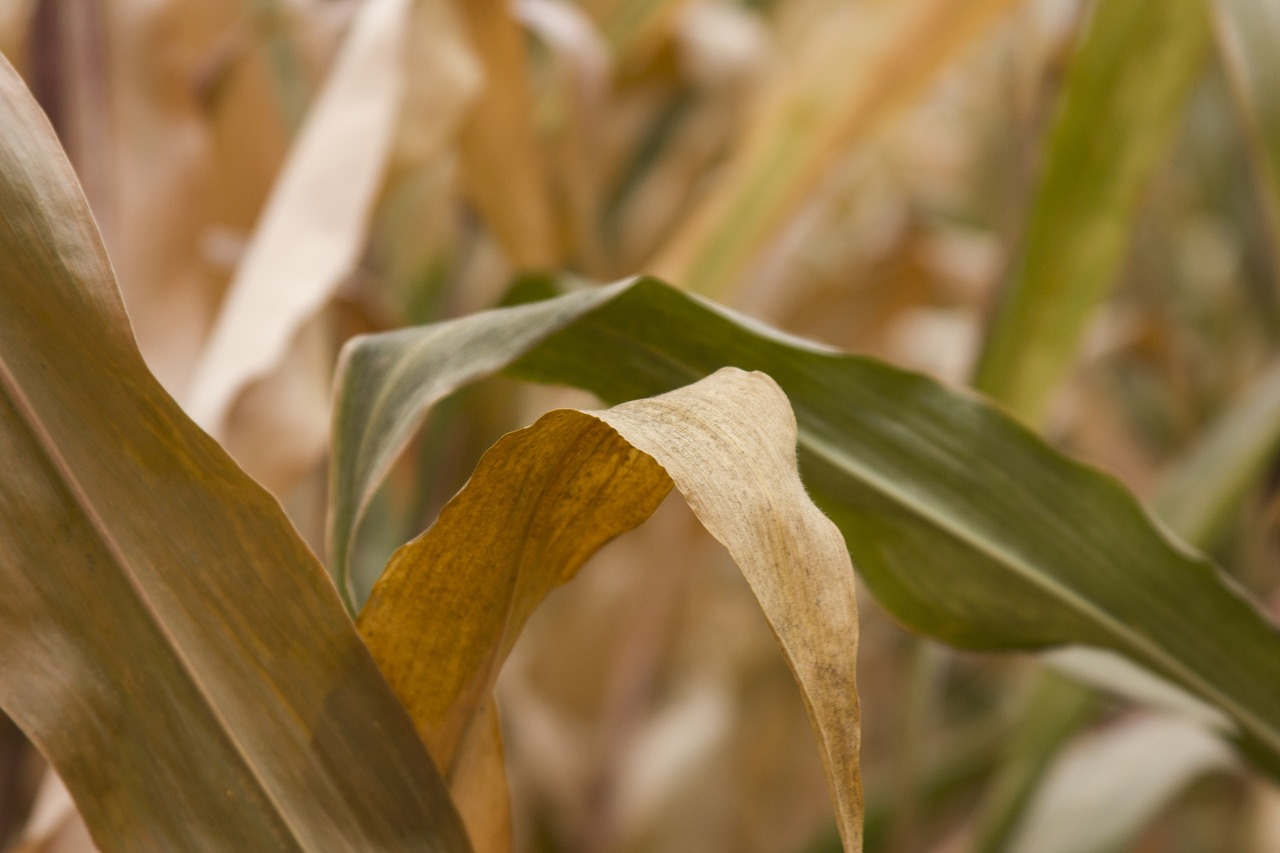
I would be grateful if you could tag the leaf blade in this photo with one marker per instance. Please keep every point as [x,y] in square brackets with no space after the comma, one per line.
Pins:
[1125,90]
[169,641]
[966,525]
[545,498]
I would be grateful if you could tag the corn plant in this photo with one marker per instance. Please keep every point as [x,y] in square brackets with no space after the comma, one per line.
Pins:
[200,680]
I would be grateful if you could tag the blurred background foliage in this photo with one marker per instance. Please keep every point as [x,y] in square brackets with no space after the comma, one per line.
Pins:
[1073,203]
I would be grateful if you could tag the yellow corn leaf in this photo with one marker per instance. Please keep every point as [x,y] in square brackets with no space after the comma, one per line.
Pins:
[545,498]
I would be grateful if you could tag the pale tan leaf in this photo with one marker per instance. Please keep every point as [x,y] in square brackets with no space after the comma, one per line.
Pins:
[169,643]
[790,553]
[314,227]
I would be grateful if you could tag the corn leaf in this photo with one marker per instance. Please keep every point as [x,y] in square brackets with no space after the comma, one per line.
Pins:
[451,603]
[1196,500]
[168,641]
[833,100]
[314,226]
[1124,93]
[966,526]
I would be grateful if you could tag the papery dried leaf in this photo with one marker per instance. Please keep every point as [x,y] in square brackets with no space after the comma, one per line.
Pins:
[451,603]
[316,221]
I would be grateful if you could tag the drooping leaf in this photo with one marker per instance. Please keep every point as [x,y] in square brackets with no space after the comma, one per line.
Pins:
[1124,93]
[166,638]
[965,525]
[451,603]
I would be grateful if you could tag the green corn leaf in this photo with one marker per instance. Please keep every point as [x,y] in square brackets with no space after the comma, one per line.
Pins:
[965,525]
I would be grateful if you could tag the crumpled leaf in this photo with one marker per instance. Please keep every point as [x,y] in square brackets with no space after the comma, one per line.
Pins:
[451,603]
[166,638]
[966,526]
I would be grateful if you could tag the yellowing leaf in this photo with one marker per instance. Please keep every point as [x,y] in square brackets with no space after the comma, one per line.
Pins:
[966,526]
[452,602]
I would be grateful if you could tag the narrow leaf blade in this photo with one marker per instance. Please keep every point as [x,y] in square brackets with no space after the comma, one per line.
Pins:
[1125,91]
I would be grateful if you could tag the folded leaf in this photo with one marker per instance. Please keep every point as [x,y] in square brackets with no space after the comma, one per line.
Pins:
[451,603]
[967,526]
[166,638]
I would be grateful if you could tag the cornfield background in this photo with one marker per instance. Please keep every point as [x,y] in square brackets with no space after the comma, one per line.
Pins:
[1074,206]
